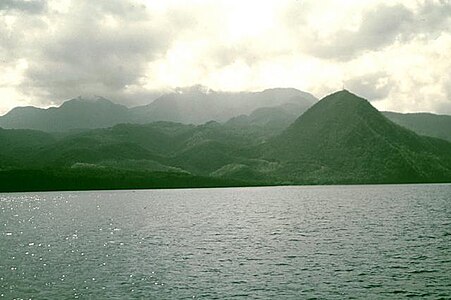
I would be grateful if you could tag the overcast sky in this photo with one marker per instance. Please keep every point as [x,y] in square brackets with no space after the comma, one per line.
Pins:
[397,54]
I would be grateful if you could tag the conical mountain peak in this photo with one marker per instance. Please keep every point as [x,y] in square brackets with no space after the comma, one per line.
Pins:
[344,99]
[343,136]
[340,109]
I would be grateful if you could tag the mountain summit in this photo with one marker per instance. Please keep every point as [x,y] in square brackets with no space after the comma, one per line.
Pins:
[343,138]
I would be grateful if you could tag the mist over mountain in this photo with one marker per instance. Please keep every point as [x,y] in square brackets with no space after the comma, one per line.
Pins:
[340,139]
[195,105]
[198,105]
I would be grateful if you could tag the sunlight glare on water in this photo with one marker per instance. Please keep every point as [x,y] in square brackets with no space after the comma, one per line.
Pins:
[386,241]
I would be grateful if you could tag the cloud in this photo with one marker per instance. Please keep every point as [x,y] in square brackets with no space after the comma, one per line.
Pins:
[373,86]
[432,17]
[380,26]
[395,52]
[101,47]
[31,7]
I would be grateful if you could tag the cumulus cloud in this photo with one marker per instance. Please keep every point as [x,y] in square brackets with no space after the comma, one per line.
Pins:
[379,27]
[395,53]
[101,47]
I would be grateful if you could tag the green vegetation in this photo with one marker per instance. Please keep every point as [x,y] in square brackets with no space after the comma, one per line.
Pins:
[340,140]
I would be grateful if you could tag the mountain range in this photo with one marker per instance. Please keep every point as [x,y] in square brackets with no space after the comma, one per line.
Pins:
[271,110]
[340,139]
[195,105]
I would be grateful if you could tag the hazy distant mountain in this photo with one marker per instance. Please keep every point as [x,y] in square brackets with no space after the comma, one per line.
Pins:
[73,114]
[424,123]
[198,105]
[195,105]
[344,139]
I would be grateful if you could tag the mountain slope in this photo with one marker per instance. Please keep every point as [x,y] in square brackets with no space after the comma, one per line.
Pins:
[17,146]
[157,146]
[78,113]
[438,126]
[343,139]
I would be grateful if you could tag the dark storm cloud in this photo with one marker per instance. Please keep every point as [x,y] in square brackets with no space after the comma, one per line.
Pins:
[381,27]
[32,7]
[86,55]
[373,86]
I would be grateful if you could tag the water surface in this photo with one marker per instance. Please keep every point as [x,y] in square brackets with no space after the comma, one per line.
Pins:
[324,242]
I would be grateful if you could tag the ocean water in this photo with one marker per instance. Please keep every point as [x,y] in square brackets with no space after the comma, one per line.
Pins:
[312,242]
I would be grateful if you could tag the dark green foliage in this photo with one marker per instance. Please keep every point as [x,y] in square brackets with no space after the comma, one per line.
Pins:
[17,146]
[205,157]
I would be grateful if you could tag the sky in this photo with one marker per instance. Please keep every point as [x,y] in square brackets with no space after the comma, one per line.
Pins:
[397,54]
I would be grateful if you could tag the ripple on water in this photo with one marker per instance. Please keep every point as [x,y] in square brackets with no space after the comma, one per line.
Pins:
[264,243]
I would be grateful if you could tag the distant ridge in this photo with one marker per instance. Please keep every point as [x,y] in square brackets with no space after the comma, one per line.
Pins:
[77,113]
[196,105]
[438,126]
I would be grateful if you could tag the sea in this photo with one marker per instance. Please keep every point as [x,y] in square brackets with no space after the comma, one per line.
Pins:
[291,242]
